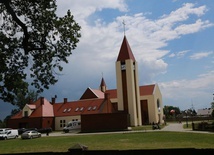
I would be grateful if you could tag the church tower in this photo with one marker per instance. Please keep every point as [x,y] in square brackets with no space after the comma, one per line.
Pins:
[128,84]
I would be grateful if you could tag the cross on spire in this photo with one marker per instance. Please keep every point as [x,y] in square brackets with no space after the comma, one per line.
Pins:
[124,27]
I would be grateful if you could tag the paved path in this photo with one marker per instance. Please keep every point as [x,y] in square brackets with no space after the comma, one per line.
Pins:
[175,127]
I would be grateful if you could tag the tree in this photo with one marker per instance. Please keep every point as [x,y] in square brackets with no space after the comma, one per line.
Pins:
[21,100]
[212,105]
[167,111]
[34,42]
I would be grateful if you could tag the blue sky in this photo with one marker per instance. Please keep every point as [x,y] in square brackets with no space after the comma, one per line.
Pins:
[172,40]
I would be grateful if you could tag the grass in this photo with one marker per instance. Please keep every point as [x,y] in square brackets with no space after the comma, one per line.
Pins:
[120,141]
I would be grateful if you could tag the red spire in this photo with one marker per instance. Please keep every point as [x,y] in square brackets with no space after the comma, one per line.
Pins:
[125,51]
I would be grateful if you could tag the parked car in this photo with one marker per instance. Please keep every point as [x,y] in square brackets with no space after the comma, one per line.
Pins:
[45,130]
[3,130]
[22,130]
[9,134]
[31,134]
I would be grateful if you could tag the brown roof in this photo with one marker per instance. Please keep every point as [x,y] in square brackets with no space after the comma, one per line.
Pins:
[90,106]
[112,93]
[125,51]
[147,90]
[144,90]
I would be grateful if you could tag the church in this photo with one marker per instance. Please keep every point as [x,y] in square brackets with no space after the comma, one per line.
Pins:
[100,109]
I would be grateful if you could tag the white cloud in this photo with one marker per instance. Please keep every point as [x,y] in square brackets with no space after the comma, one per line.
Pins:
[84,8]
[100,42]
[201,55]
[179,54]
[180,90]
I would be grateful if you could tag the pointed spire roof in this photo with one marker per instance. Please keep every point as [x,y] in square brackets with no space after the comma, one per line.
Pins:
[125,51]
[102,83]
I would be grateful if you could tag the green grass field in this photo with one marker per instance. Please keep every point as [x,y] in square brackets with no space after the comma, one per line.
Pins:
[120,141]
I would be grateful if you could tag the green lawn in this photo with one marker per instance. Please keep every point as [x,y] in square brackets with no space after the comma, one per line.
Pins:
[120,141]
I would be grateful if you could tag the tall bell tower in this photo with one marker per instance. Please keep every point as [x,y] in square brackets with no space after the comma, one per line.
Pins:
[128,84]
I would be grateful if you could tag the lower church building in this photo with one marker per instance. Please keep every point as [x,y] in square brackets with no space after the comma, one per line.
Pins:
[100,109]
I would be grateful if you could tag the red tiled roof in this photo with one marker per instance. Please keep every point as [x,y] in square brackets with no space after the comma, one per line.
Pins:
[18,115]
[125,51]
[112,93]
[44,109]
[90,106]
[92,93]
[147,90]
[41,108]
[31,106]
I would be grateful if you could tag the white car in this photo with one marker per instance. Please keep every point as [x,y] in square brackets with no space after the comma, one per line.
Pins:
[30,134]
[9,134]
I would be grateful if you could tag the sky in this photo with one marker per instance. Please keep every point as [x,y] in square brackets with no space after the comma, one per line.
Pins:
[172,41]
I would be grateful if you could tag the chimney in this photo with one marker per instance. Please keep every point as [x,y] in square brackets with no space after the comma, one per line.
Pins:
[65,100]
[30,101]
[106,96]
[53,100]
[42,100]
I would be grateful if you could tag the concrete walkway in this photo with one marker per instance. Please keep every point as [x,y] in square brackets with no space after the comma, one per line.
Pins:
[174,127]
[178,127]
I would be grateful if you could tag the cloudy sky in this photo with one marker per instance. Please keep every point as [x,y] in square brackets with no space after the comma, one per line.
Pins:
[172,41]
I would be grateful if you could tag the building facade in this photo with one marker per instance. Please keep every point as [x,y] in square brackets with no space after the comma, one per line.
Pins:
[142,104]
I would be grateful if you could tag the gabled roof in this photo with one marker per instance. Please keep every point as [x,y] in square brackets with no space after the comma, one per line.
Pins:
[92,93]
[147,90]
[41,108]
[125,51]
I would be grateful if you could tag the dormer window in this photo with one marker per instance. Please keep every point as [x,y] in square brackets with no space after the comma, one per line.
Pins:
[25,113]
[81,109]
[64,110]
[95,107]
[89,108]
[69,110]
[76,109]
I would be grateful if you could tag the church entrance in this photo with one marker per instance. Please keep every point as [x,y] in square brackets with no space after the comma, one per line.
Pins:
[144,112]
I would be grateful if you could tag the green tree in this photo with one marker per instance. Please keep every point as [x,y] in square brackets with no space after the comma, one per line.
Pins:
[168,111]
[34,42]
[21,100]
[212,105]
